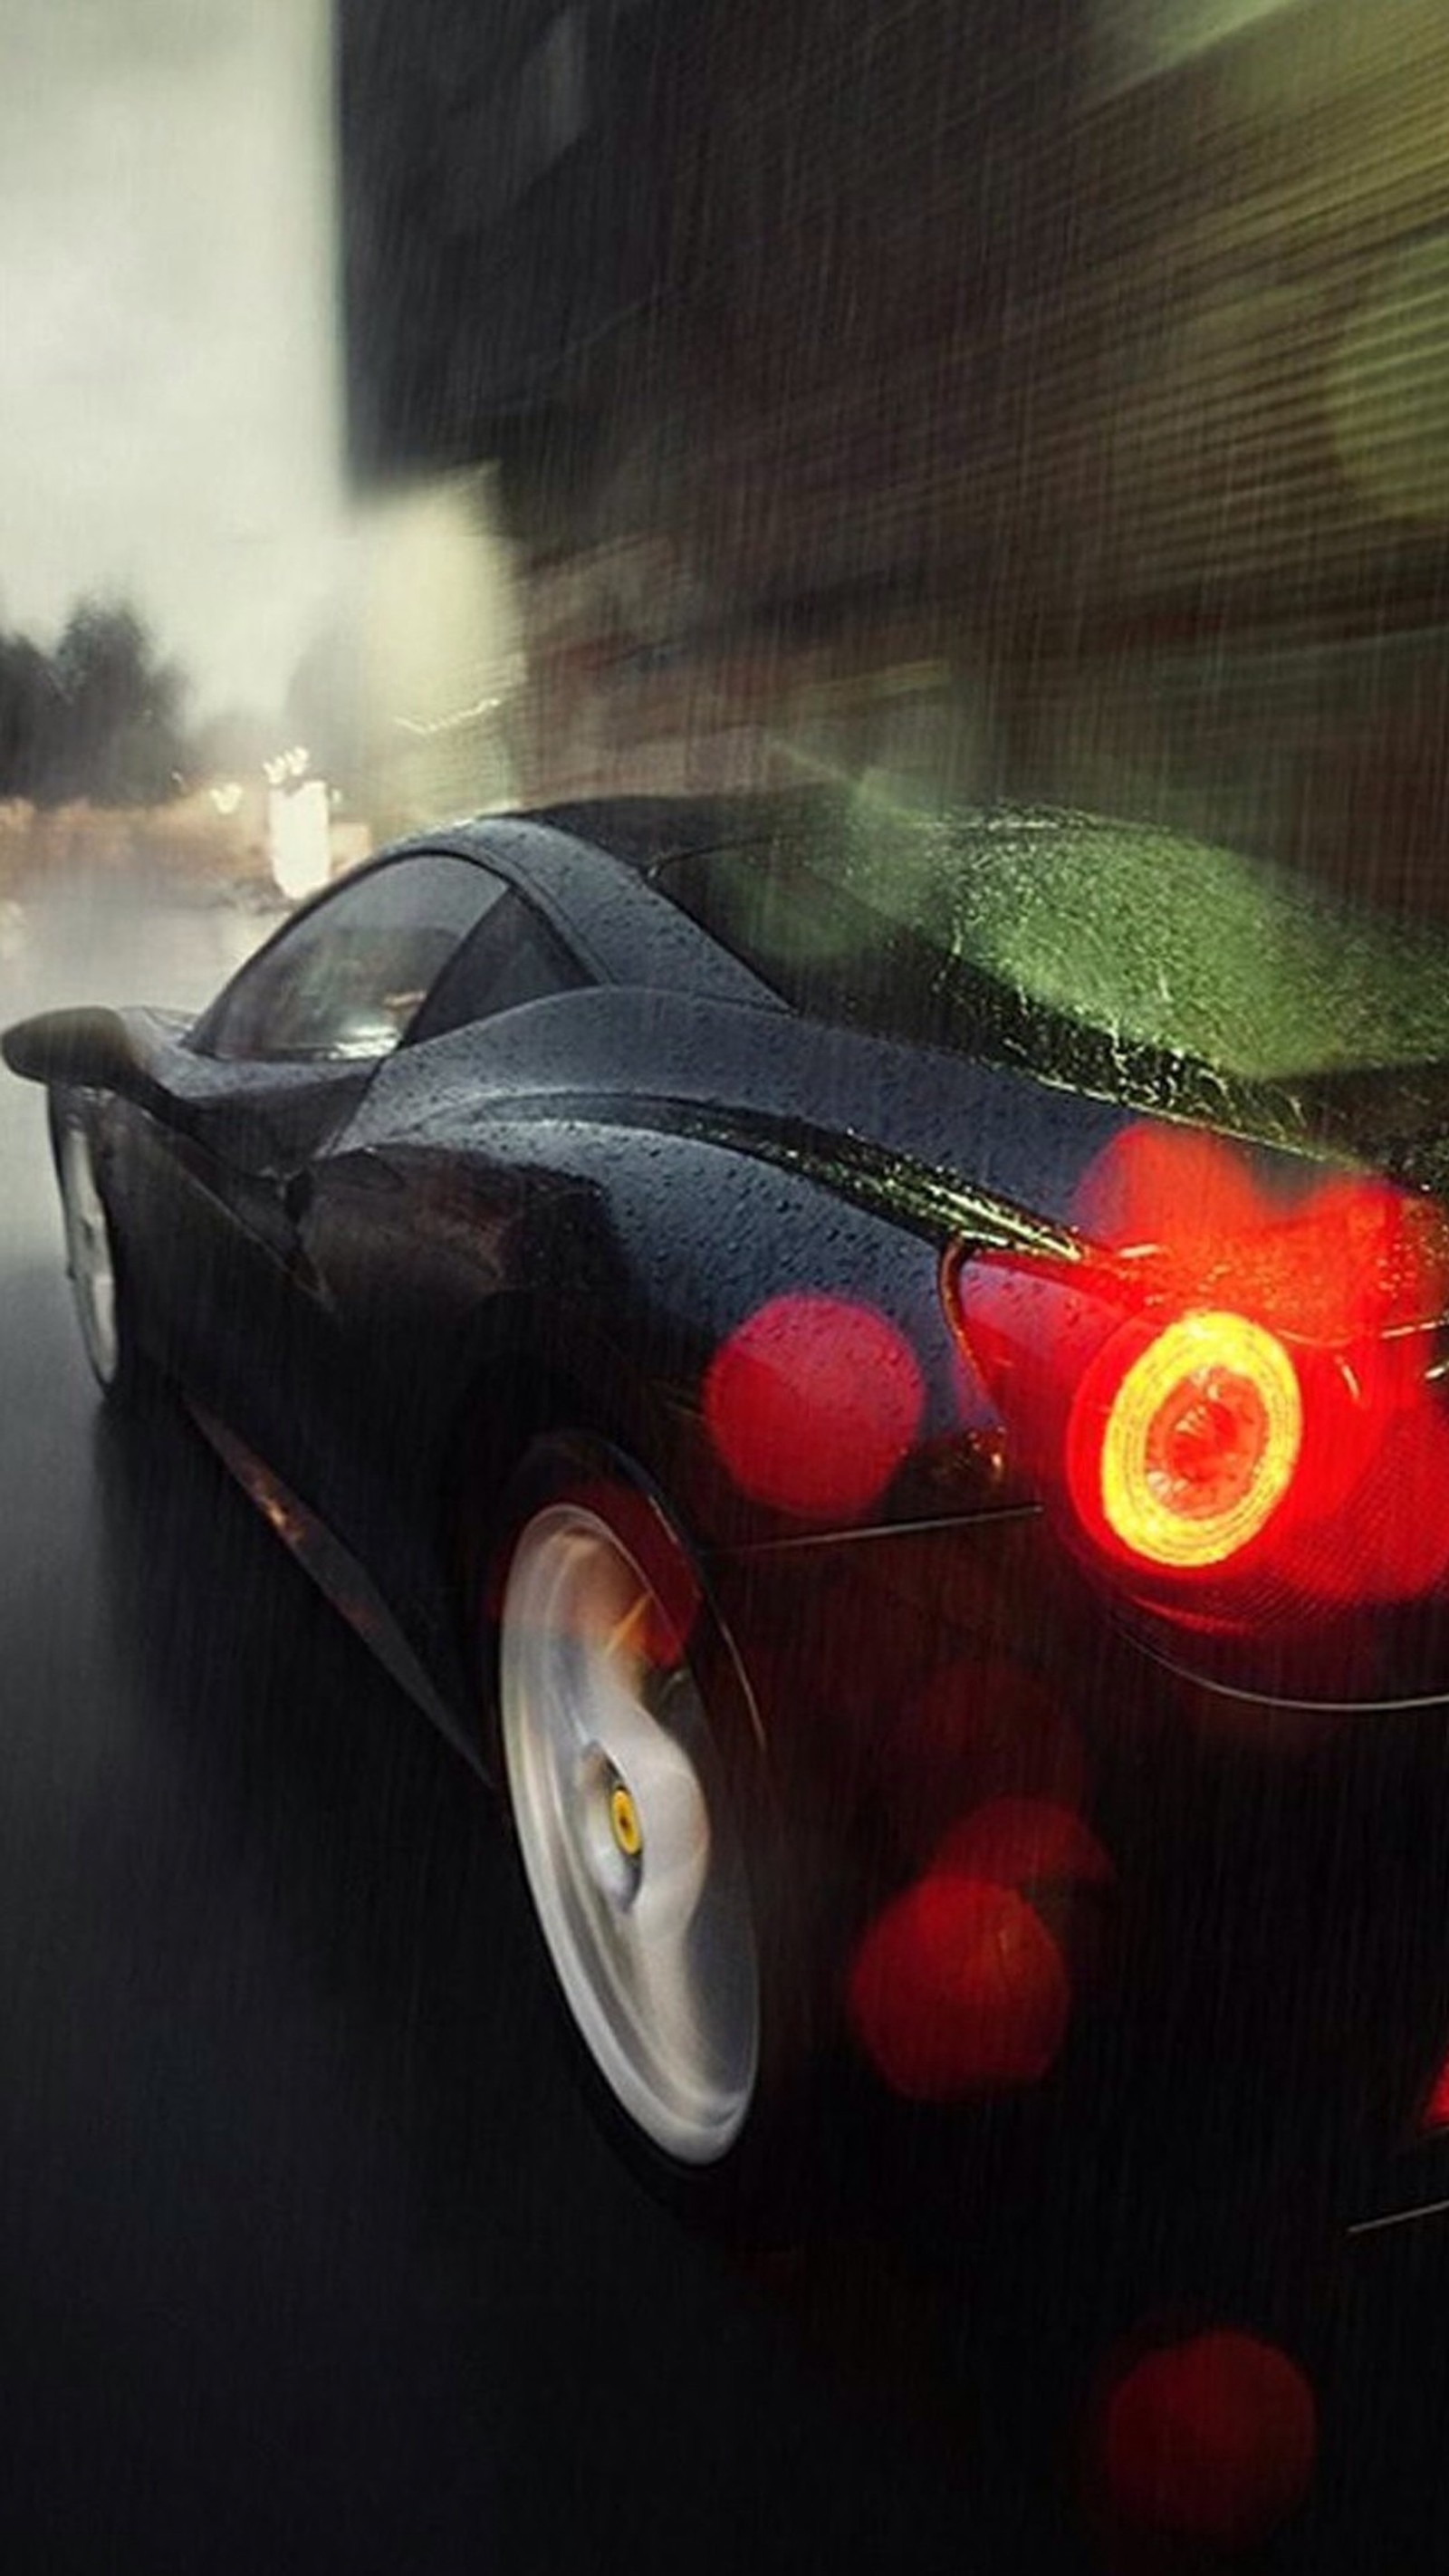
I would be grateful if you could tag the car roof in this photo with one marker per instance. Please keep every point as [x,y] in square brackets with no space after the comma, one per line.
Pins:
[645,831]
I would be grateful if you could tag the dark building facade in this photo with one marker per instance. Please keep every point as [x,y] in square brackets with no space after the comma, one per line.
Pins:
[1049,398]
[502,216]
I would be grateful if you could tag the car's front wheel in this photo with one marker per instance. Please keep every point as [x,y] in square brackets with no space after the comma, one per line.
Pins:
[93,1263]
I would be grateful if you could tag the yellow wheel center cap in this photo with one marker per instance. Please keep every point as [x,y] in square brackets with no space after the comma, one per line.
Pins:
[624,1819]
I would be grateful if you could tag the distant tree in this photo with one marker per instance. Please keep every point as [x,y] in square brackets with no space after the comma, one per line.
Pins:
[32,716]
[98,717]
[118,732]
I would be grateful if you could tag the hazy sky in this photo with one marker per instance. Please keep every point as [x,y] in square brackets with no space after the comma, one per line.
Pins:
[168,404]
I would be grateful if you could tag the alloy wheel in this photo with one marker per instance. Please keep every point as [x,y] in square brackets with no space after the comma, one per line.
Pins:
[632,1860]
[90,1255]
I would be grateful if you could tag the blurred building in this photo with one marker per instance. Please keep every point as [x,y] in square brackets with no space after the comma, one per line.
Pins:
[1052,398]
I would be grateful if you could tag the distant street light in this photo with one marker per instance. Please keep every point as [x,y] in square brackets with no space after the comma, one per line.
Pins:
[298,835]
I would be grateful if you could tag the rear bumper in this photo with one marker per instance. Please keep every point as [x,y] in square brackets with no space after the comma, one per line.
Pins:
[1248,1897]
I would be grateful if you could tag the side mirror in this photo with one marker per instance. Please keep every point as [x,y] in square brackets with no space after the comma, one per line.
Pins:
[90,1050]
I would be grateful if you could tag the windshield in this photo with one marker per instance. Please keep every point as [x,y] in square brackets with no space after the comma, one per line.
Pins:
[988,932]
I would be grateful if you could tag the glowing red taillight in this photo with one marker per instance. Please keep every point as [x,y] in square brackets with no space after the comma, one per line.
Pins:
[1181,1447]
[1244,1429]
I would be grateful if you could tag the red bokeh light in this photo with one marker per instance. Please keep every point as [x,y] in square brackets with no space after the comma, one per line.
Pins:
[812,1403]
[1025,1842]
[1351,1257]
[1162,1186]
[1210,2440]
[1435,2114]
[1357,1258]
[958,1987]
[973,1734]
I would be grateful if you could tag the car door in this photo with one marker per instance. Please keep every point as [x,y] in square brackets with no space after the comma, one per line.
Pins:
[398,1257]
[258,1090]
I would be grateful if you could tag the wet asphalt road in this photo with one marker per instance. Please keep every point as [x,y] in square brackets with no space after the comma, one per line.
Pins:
[309,2255]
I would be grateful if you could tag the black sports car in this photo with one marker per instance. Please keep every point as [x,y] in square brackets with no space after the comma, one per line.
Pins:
[882,1377]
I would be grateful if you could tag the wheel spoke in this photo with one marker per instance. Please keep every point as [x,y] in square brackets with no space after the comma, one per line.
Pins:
[669,2002]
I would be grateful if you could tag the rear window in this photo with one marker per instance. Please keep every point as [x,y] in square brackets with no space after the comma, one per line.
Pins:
[1055,939]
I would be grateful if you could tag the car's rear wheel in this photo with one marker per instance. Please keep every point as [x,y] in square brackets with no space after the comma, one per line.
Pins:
[634,1777]
[630,1853]
[94,1264]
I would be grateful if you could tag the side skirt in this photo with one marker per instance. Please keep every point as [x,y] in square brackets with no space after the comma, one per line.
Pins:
[337,1575]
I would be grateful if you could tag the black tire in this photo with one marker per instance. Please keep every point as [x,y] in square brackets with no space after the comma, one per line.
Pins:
[95,1261]
[714,2111]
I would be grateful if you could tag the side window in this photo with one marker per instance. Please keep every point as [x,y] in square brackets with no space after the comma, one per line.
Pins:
[512,957]
[346,980]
